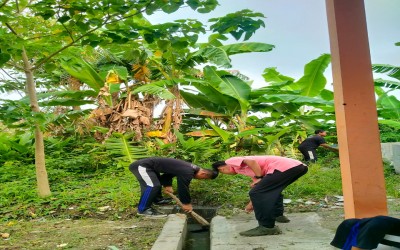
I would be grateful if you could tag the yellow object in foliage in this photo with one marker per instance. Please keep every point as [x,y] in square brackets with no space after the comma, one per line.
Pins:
[113,77]
[157,133]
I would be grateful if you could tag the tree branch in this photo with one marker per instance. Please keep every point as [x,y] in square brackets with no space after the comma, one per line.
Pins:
[11,29]
[65,47]
[17,6]
[3,4]
[69,32]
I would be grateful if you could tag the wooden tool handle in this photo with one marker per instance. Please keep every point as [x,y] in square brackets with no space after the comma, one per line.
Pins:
[196,216]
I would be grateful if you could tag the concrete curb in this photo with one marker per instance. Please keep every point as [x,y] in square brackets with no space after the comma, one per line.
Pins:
[173,234]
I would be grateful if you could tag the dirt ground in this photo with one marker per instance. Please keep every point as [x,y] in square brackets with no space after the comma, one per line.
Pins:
[85,234]
[131,233]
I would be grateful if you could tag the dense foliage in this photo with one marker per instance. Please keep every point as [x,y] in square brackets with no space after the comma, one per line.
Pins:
[62,56]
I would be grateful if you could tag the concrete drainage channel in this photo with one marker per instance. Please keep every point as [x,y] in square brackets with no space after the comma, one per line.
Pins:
[182,232]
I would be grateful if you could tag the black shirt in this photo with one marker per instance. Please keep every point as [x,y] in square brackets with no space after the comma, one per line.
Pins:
[169,168]
[312,143]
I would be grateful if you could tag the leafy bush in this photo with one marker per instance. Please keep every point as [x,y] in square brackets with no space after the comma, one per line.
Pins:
[388,133]
[16,148]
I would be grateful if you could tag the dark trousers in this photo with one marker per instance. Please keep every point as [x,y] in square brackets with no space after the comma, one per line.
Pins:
[367,233]
[267,196]
[150,186]
[310,155]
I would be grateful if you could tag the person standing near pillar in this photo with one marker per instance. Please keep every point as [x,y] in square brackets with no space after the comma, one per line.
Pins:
[309,146]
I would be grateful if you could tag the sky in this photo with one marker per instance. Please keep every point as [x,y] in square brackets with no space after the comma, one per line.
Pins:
[299,31]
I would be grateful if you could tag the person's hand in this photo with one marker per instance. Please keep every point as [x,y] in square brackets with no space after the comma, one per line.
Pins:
[168,189]
[255,182]
[249,208]
[187,208]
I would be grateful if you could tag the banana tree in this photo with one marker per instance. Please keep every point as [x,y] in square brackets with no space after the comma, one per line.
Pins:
[388,105]
[284,102]
[176,56]
[33,34]
[159,64]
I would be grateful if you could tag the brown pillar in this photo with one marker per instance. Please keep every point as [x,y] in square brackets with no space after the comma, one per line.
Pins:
[355,106]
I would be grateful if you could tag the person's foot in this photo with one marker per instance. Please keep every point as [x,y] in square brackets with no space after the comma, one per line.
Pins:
[163,201]
[260,230]
[282,219]
[151,212]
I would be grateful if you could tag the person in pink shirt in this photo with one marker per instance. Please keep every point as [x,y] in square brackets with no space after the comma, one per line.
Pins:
[270,175]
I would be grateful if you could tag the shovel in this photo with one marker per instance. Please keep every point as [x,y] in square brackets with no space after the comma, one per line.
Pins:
[195,216]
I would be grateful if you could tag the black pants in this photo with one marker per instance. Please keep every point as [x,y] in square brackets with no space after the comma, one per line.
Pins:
[366,233]
[267,196]
[310,155]
[150,185]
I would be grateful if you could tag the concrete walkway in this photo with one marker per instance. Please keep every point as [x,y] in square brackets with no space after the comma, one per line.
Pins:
[308,231]
[303,232]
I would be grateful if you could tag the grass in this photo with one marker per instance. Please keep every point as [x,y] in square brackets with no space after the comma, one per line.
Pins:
[319,182]
[81,195]
[75,214]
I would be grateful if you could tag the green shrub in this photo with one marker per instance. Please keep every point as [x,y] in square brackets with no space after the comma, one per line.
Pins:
[388,133]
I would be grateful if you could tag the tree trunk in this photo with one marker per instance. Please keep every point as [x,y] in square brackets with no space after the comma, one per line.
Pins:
[74,84]
[41,173]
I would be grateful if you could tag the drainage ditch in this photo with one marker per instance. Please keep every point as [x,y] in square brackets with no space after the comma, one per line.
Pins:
[194,235]
[198,236]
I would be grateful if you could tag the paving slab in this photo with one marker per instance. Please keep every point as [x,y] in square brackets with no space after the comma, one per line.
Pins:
[304,231]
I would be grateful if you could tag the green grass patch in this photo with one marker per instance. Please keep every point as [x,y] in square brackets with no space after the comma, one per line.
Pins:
[78,195]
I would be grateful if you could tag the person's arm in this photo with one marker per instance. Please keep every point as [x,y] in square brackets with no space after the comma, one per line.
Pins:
[183,182]
[253,164]
[166,182]
[187,208]
[329,147]
[184,194]
[249,207]
[166,179]
[168,189]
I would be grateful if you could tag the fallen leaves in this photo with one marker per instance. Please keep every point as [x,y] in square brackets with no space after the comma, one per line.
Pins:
[5,235]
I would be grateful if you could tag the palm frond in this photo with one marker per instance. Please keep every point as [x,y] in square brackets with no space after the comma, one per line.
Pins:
[390,70]
[155,89]
[123,149]
[387,84]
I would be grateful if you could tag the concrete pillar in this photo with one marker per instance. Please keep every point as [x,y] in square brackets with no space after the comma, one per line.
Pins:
[396,157]
[356,117]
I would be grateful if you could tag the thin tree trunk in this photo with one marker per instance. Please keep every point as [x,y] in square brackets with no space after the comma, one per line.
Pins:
[74,84]
[41,173]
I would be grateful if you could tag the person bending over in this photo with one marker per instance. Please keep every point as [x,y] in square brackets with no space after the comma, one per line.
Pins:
[270,175]
[155,172]
[309,146]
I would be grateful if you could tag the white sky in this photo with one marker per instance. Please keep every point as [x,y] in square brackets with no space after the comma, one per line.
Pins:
[299,30]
